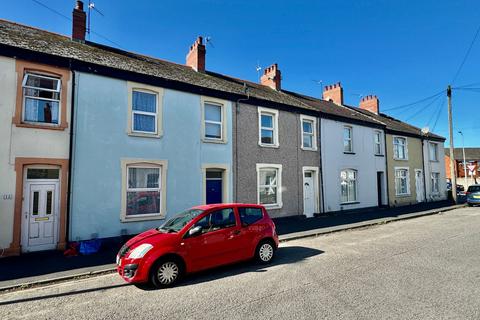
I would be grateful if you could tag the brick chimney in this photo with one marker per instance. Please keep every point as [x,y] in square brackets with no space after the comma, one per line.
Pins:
[272,77]
[79,22]
[196,56]
[333,93]
[370,103]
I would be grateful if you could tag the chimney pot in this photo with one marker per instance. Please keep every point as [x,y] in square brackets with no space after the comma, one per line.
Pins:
[334,93]
[79,19]
[196,55]
[370,103]
[272,77]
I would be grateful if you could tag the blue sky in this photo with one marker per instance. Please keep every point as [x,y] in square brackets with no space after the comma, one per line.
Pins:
[402,51]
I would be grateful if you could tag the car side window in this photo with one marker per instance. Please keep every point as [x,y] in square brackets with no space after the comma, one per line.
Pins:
[217,220]
[250,215]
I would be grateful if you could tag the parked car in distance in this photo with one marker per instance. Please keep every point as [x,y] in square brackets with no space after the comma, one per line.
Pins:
[460,188]
[199,238]
[473,195]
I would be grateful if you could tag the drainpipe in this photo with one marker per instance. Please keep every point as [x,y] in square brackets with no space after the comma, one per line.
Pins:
[235,158]
[386,168]
[70,158]
[424,172]
[320,171]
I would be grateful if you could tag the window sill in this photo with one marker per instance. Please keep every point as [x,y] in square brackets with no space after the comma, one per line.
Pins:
[406,195]
[349,203]
[60,127]
[348,152]
[275,146]
[272,206]
[308,149]
[398,159]
[145,135]
[214,141]
[379,155]
[124,218]
[433,160]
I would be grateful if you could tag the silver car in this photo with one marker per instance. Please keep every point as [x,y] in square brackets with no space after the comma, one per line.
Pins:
[473,195]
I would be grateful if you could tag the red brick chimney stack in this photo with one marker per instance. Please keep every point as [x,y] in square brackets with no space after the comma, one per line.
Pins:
[79,26]
[272,77]
[196,56]
[370,103]
[333,93]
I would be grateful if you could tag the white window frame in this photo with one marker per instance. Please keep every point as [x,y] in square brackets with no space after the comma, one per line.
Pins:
[350,128]
[274,114]
[158,92]
[223,124]
[395,144]
[58,90]
[313,121]
[433,184]
[162,187]
[356,185]
[407,169]
[277,167]
[430,144]
[380,140]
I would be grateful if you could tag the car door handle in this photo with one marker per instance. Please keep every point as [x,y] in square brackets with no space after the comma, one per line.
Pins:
[236,232]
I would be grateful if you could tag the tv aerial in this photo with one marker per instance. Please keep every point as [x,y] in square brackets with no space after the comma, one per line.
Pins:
[91,6]
[208,40]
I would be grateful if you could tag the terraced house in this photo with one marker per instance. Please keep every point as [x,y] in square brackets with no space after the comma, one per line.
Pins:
[101,142]
[414,159]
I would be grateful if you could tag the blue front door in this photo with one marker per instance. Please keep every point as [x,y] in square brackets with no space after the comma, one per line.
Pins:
[214,191]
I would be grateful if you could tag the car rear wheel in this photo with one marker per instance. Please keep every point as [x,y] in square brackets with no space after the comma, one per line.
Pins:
[265,252]
[166,272]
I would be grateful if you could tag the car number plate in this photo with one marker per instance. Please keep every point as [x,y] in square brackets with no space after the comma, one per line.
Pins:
[476,197]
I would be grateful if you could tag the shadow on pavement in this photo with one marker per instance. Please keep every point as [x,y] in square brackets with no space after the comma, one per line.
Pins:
[284,255]
[294,224]
[46,262]
[63,294]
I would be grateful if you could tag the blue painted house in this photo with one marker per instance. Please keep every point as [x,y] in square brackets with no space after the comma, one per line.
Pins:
[142,153]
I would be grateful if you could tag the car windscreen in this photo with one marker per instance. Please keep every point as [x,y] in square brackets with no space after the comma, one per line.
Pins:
[180,220]
[474,189]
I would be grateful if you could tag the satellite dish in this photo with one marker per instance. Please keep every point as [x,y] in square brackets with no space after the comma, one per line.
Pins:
[425,130]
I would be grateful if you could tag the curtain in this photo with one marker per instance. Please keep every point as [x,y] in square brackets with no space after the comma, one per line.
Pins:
[145,102]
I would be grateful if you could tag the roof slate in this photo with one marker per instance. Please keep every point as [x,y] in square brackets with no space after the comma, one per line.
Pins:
[397,125]
[35,40]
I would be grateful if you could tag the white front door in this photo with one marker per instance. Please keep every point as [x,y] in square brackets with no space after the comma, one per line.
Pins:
[419,188]
[41,207]
[308,194]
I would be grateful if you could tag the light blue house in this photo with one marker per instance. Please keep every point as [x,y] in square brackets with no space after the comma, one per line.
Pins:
[142,153]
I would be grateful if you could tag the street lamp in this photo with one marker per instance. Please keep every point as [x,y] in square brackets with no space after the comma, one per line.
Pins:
[464,162]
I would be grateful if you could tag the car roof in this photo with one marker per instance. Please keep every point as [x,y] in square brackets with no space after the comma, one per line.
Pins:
[226,205]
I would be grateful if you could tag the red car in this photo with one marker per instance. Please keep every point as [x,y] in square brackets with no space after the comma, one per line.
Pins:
[199,238]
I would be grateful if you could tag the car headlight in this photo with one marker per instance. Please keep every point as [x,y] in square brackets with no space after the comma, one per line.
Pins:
[140,251]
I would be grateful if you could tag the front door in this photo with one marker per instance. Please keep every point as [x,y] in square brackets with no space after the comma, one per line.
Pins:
[213,187]
[308,194]
[419,188]
[40,231]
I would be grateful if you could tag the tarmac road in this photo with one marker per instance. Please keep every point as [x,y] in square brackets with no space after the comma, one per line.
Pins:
[424,268]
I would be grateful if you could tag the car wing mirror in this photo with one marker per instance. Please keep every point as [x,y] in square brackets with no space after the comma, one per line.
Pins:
[195,231]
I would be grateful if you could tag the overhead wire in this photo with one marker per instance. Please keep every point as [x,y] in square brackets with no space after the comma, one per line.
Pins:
[420,110]
[416,102]
[466,55]
[69,19]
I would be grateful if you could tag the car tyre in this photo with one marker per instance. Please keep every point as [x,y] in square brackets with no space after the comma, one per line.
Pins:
[265,252]
[166,273]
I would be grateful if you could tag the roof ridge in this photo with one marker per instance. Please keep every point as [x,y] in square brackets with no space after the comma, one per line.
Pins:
[36,28]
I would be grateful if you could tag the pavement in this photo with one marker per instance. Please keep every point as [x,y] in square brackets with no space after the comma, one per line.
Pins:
[425,268]
[47,267]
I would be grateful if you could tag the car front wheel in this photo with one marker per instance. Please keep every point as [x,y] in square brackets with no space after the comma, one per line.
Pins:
[265,252]
[166,273]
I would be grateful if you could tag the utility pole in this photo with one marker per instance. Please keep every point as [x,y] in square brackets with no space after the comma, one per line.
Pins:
[452,157]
